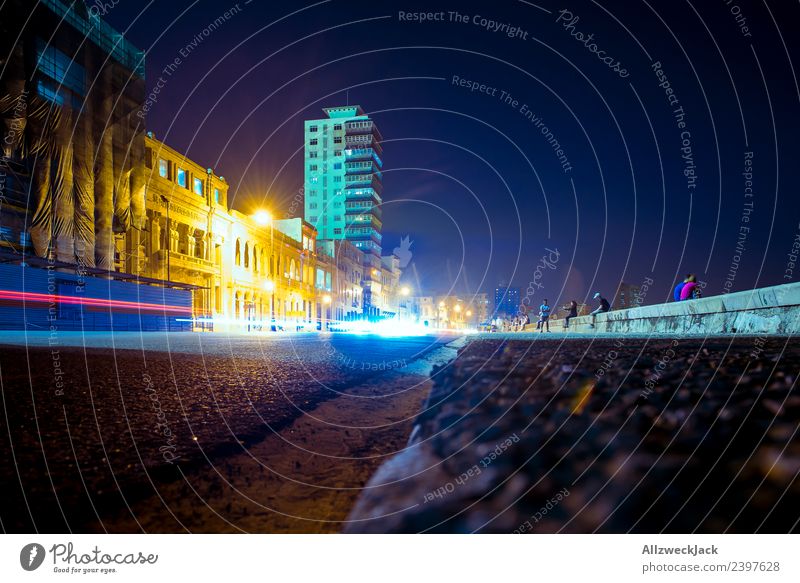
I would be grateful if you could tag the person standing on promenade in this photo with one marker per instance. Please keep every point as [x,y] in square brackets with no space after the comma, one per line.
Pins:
[544,316]
[601,309]
[572,312]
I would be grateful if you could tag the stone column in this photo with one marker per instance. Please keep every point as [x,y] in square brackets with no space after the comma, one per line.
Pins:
[104,177]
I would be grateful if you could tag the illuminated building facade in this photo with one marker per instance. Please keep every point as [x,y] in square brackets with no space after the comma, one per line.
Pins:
[251,271]
[86,193]
[71,96]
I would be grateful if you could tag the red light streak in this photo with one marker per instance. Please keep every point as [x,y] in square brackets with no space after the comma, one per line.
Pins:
[90,302]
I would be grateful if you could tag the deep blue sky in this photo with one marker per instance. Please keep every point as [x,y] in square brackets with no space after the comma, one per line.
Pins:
[472,182]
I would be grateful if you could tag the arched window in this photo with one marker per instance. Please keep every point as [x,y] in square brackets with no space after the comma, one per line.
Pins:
[247,255]
[292,269]
[255,259]
[238,257]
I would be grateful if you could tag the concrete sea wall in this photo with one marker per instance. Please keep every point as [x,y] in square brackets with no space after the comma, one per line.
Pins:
[770,310]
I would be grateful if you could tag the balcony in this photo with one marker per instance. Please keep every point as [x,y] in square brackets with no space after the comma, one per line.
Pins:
[363,167]
[188,262]
[363,141]
[357,153]
[363,181]
[362,127]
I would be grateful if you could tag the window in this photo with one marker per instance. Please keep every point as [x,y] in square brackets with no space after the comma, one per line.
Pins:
[337,140]
[247,255]
[60,68]
[337,218]
[313,167]
[198,186]
[312,219]
[337,166]
[312,205]
[181,177]
[337,231]
[313,154]
[216,195]
[313,128]
[163,168]
[337,127]
[337,152]
[313,142]
[337,178]
[238,257]
[25,239]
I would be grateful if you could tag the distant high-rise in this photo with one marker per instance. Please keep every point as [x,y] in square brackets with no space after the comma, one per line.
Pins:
[343,181]
[506,301]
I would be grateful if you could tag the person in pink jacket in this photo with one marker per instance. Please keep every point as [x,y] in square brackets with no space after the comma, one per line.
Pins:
[690,289]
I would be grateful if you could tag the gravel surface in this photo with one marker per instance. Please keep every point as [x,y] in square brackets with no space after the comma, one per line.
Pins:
[87,431]
[601,435]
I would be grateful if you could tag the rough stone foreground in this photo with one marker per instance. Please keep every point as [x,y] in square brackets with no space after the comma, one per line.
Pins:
[600,435]
[255,422]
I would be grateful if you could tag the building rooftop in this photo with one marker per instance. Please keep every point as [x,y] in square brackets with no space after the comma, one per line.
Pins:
[100,33]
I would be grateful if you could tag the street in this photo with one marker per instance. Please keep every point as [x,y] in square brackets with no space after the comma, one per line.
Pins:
[155,432]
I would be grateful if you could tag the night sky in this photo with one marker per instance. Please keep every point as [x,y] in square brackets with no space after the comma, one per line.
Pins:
[648,190]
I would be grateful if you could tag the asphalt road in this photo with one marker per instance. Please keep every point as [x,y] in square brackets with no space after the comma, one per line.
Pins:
[95,427]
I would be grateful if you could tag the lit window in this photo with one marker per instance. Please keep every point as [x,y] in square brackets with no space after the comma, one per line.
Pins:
[198,186]
[163,168]
[216,195]
[60,68]
[181,177]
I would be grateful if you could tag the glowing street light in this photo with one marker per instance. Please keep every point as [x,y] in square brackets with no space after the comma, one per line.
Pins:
[326,299]
[457,308]
[441,304]
[405,290]
[269,285]
[469,313]
[263,218]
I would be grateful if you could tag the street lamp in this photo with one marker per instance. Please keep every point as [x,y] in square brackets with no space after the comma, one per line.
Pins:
[405,290]
[263,218]
[269,286]
[326,301]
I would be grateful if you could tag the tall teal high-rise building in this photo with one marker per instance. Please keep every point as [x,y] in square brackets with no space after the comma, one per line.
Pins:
[343,180]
